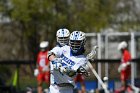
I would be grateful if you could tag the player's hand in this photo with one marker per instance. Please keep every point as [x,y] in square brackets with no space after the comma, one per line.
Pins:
[36,72]
[68,71]
[63,69]
[122,67]
[83,71]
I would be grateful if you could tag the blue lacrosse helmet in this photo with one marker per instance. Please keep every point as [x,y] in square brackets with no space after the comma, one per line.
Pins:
[77,42]
[63,37]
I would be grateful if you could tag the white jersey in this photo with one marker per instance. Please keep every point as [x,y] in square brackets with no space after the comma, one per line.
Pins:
[74,62]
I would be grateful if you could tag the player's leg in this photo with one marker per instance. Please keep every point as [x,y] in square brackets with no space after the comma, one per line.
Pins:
[39,83]
[47,78]
[39,88]
[123,84]
[129,87]
[83,88]
[47,81]
[54,89]
[66,89]
[124,80]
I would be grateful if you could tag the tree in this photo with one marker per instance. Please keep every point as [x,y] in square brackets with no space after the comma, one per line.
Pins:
[39,20]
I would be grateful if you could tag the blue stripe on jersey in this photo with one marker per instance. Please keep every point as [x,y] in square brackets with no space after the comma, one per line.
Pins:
[67,60]
[64,64]
[71,53]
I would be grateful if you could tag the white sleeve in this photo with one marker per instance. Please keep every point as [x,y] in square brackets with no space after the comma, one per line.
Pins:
[57,51]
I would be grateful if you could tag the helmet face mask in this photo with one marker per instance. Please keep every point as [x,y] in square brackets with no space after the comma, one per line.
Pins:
[77,41]
[43,49]
[63,40]
[76,45]
[63,36]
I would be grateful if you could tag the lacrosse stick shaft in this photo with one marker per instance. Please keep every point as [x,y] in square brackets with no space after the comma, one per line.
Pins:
[91,56]
[98,77]
[95,73]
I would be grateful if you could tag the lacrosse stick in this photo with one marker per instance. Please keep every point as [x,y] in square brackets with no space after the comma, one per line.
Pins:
[90,57]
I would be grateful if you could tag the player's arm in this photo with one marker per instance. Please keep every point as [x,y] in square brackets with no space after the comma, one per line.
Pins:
[51,56]
[124,66]
[126,63]
[54,58]
[54,53]
[36,70]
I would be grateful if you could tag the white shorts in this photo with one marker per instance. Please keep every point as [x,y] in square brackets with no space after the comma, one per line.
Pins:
[56,89]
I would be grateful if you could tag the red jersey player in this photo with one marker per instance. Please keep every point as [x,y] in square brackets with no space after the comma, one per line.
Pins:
[42,72]
[124,68]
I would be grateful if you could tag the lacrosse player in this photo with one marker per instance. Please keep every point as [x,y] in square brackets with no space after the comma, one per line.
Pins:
[62,36]
[124,68]
[42,71]
[66,62]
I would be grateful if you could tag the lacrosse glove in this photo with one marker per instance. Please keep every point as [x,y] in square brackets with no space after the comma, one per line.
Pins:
[83,71]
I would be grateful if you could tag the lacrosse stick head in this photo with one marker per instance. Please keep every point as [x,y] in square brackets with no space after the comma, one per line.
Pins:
[93,53]
[95,48]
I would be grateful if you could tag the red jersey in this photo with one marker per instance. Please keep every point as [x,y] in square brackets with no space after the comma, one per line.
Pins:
[42,60]
[79,78]
[126,57]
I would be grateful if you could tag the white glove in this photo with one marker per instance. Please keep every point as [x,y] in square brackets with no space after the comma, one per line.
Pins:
[63,69]
[122,67]
[36,72]
[45,68]
[66,70]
